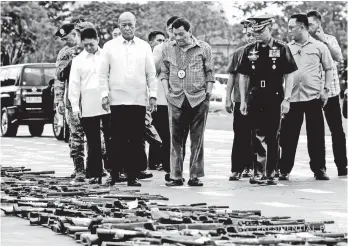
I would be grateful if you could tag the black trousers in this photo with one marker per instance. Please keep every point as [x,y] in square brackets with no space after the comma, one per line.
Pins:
[264,120]
[242,154]
[92,127]
[290,133]
[127,139]
[161,154]
[332,111]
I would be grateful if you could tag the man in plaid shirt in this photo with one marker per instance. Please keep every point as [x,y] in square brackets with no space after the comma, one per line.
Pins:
[332,108]
[187,77]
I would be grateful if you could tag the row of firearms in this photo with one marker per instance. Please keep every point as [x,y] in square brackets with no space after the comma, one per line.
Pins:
[100,215]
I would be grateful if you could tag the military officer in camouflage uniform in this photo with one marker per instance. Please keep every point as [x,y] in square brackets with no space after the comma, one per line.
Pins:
[266,64]
[70,36]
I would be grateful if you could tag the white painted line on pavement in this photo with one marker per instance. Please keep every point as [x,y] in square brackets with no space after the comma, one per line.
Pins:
[213,193]
[336,214]
[316,191]
[278,204]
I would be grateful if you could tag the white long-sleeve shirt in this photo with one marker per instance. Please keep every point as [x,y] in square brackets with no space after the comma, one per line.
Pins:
[127,72]
[84,83]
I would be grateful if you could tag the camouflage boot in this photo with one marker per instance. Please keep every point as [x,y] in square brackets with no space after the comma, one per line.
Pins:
[79,169]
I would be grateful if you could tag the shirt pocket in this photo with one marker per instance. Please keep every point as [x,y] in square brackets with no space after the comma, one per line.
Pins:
[311,56]
[196,63]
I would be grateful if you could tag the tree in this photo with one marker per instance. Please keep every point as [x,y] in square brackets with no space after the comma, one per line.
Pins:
[57,11]
[334,16]
[207,23]
[27,33]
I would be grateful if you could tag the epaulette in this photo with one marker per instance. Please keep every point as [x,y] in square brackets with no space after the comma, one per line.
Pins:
[280,42]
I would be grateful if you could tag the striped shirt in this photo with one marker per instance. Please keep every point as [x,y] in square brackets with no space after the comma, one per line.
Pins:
[198,72]
[335,85]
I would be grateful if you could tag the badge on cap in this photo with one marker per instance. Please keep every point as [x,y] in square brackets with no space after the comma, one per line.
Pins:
[62,31]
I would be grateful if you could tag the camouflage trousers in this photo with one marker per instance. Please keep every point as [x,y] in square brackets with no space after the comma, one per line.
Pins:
[76,140]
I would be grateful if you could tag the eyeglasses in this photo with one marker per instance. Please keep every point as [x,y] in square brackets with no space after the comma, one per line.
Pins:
[249,34]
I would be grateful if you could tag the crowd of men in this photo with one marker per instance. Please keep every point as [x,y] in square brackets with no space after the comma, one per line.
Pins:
[271,86]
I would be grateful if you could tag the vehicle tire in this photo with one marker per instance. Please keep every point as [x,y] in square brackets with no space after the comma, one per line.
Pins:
[8,129]
[58,131]
[36,129]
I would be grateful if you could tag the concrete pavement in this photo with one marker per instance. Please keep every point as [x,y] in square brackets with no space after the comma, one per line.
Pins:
[301,197]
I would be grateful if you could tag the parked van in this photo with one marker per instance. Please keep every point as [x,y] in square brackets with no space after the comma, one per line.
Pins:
[26,97]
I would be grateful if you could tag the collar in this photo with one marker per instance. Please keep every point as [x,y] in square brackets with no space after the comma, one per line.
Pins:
[309,40]
[270,44]
[195,42]
[126,41]
[86,54]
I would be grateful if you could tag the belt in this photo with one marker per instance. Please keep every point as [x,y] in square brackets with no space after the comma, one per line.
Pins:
[260,84]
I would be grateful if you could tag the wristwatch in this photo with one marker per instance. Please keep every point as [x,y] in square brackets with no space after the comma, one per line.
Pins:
[208,95]
[287,99]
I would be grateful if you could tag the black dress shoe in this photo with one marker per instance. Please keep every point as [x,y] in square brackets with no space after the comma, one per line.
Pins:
[342,172]
[112,180]
[284,176]
[277,174]
[133,183]
[194,182]
[167,177]
[144,175]
[257,180]
[322,176]
[271,181]
[95,180]
[175,182]
[234,176]
[247,173]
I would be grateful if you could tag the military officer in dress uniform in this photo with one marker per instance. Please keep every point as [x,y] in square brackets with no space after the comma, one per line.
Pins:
[265,64]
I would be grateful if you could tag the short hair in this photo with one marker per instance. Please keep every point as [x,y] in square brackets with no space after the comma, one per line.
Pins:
[89,33]
[181,22]
[115,26]
[314,13]
[153,35]
[301,18]
[78,20]
[171,20]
